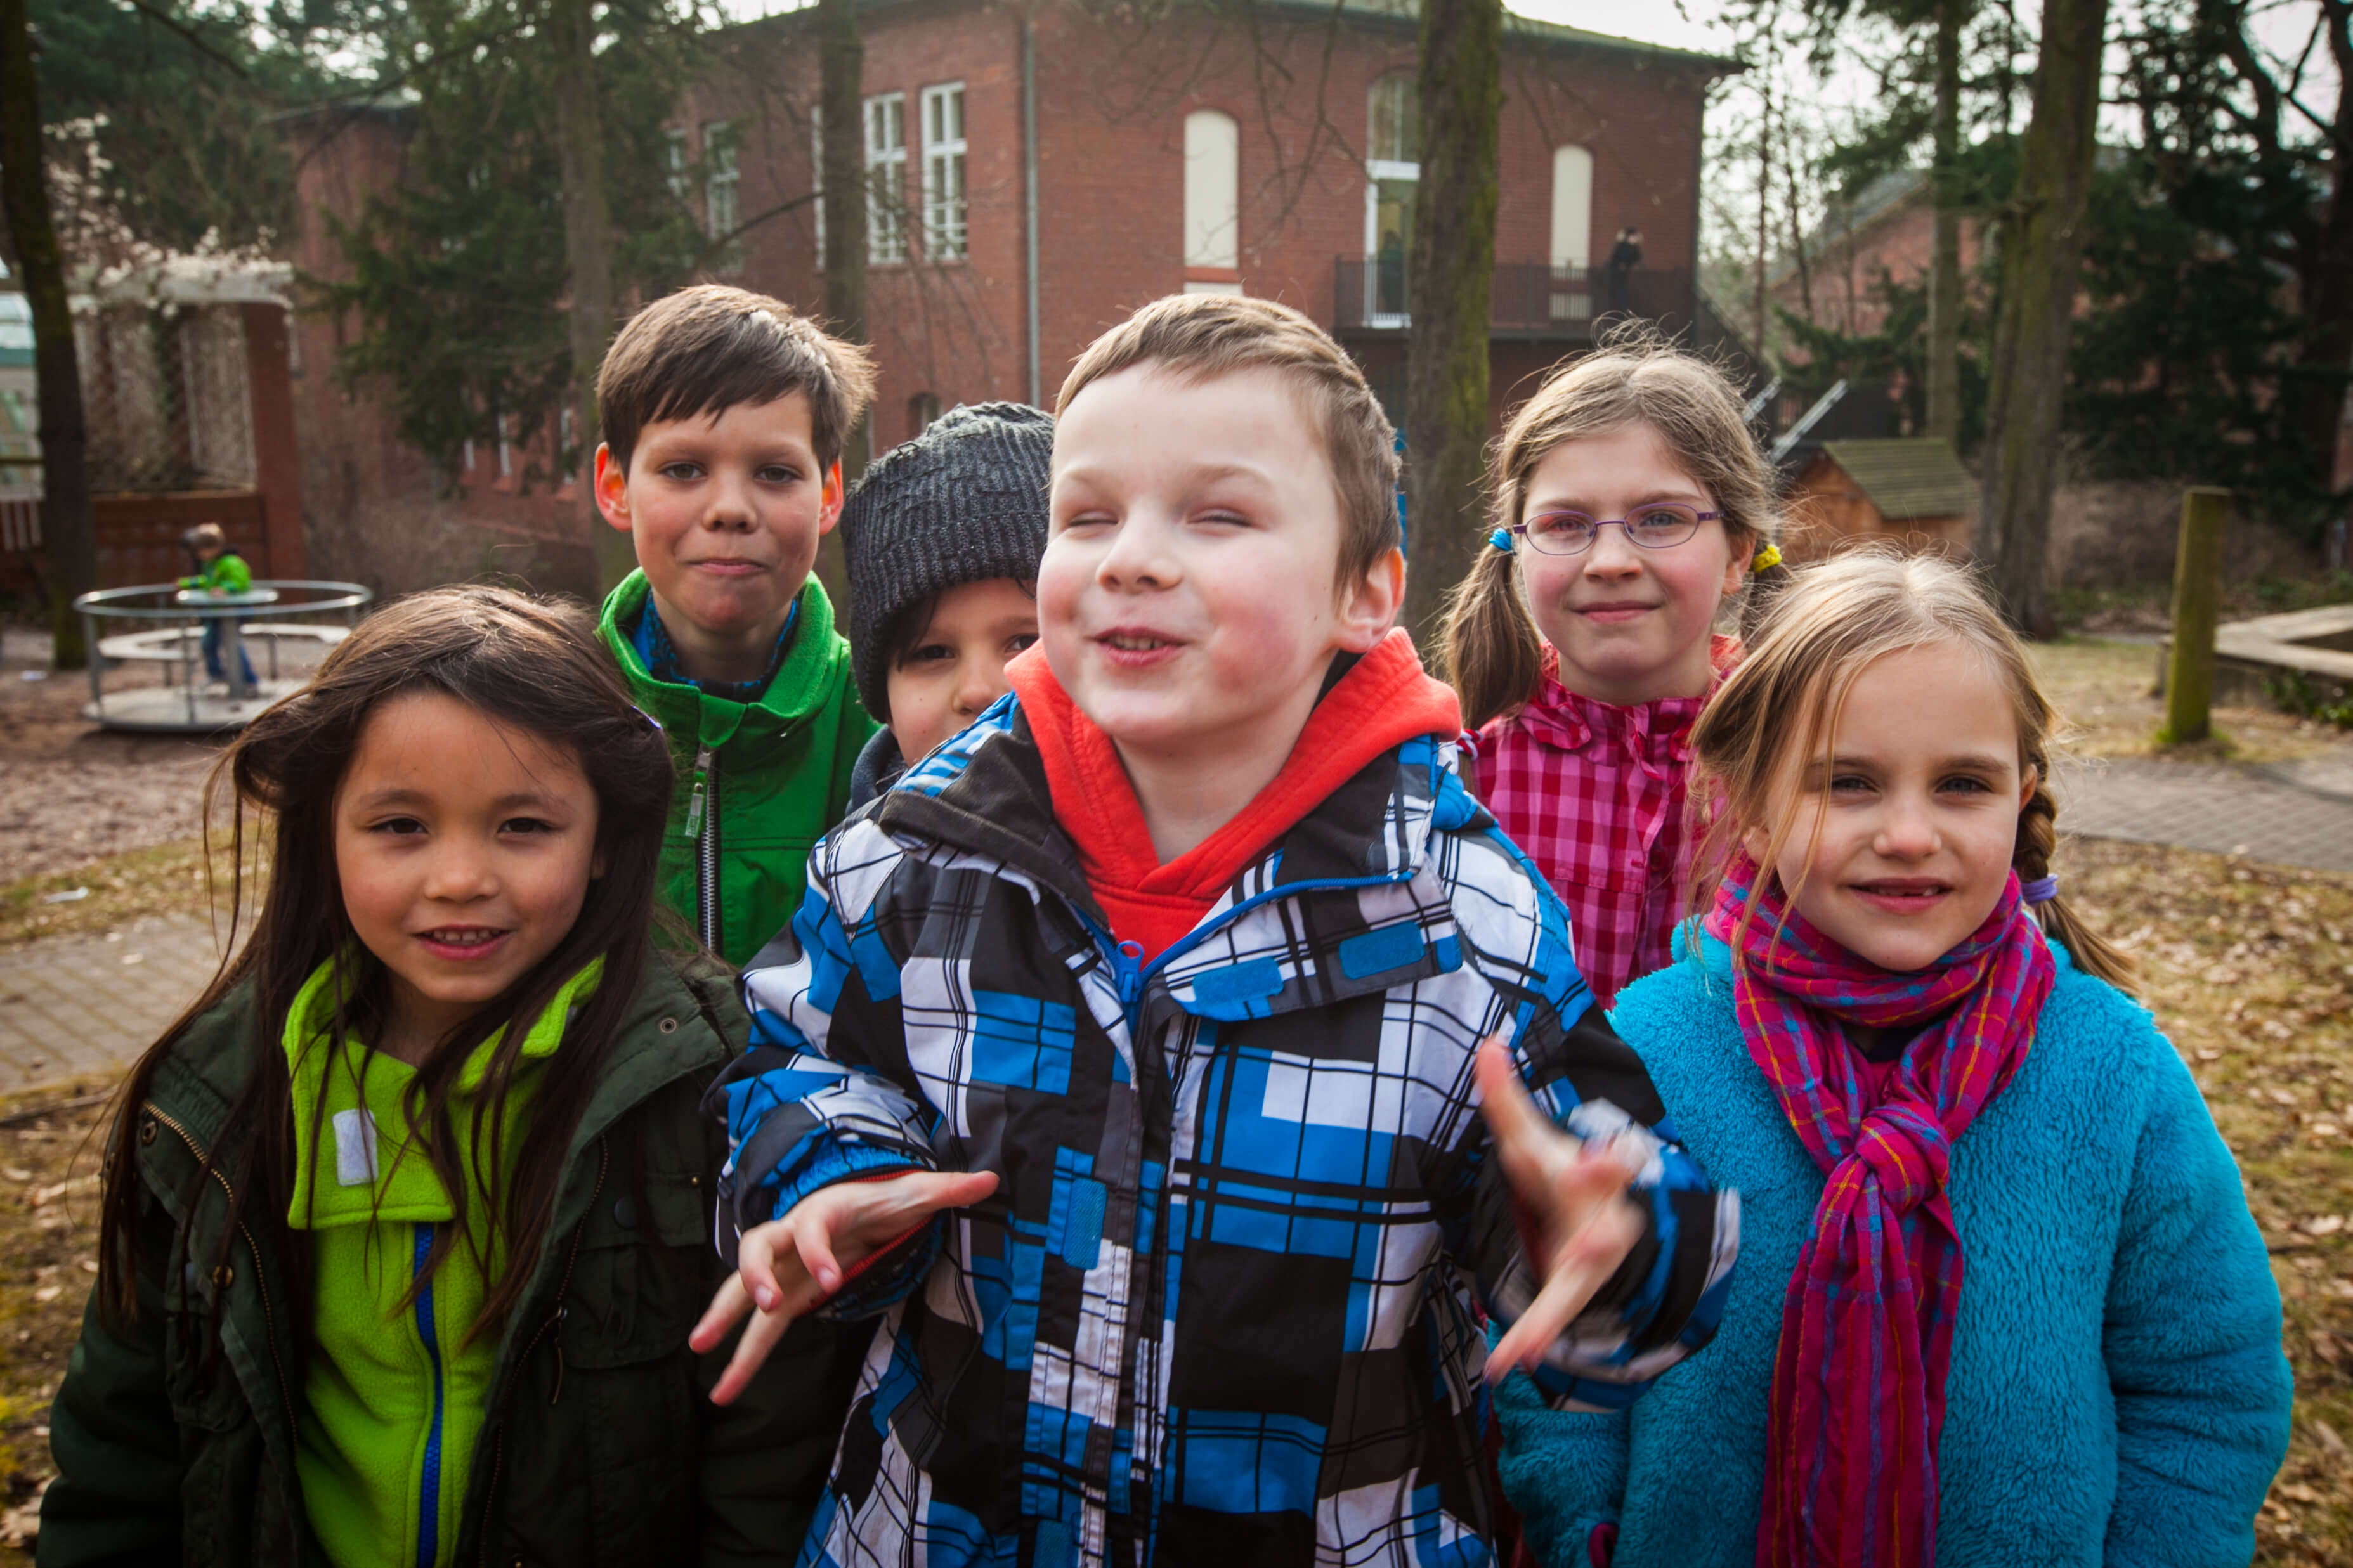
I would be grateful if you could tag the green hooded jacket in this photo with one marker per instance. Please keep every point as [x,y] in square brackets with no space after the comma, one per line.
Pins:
[762,782]
[599,1445]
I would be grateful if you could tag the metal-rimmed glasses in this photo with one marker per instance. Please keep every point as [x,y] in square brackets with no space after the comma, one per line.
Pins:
[1658,526]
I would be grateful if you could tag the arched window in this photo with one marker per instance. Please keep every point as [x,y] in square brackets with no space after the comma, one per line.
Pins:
[1212,203]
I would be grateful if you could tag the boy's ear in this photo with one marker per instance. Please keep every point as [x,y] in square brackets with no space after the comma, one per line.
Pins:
[612,488]
[830,508]
[1369,608]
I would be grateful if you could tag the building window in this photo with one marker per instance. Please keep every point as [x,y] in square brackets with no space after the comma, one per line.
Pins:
[1392,176]
[944,204]
[567,437]
[886,177]
[1572,235]
[922,409]
[722,183]
[1212,203]
[506,452]
[816,176]
[674,163]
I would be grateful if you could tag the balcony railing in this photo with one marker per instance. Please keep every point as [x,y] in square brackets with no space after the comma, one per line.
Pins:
[1529,298]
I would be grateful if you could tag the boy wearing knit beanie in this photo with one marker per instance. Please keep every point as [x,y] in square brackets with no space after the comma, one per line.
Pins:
[942,536]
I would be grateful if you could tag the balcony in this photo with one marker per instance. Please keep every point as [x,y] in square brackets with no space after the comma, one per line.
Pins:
[1530,300]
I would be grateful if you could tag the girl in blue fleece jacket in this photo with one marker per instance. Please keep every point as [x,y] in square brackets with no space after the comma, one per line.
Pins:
[2002,1300]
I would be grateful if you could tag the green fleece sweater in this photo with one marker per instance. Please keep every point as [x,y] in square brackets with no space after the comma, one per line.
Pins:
[394,1392]
[759,783]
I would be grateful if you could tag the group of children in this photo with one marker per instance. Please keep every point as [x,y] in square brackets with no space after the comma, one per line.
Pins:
[1184,1100]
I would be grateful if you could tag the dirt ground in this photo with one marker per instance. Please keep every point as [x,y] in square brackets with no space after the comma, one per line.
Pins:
[2249,969]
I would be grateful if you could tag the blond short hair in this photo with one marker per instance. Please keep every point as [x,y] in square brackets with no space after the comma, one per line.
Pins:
[1199,337]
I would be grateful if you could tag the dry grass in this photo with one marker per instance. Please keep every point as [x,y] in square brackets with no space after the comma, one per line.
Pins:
[106,895]
[2250,970]
[2105,690]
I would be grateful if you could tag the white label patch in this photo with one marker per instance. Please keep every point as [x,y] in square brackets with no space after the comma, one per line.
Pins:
[354,1148]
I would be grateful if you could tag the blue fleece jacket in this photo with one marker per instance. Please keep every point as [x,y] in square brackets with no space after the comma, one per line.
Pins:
[2117,1393]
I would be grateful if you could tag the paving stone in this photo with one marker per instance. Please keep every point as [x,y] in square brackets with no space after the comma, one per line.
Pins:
[72,1007]
[2289,814]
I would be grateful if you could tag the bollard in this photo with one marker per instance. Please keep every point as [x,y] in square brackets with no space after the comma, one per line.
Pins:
[2197,601]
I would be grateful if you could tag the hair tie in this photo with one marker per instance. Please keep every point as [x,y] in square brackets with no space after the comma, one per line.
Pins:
[1767,559]
[1501,540]
[2040,891]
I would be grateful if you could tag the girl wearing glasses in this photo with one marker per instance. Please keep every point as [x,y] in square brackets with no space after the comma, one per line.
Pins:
[1631,505]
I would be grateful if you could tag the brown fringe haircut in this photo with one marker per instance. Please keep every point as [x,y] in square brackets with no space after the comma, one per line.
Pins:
[1784,703]
[1493,653]
[531,665]
[1197,337]
[704,349]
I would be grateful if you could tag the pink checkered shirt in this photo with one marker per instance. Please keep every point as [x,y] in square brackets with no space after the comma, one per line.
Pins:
[1594,792]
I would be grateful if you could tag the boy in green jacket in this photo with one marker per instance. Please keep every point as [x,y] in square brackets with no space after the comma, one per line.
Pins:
[722,416]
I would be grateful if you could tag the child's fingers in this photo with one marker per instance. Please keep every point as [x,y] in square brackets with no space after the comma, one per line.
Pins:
[1582,1268]
[815,1247]
[731,1304]
[1512,1116]
[760,1337]
[755,1261]
[919,1197]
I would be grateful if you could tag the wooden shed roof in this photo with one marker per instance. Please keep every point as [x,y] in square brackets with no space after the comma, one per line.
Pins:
[1917,476]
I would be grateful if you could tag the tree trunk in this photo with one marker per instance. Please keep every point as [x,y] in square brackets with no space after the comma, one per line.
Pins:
[65,439]
[1450,275]
[587,253]
[841,113]
[1943,389]
[2043,244]
[2325,348]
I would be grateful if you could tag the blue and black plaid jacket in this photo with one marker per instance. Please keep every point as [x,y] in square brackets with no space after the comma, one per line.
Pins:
[1220,1308]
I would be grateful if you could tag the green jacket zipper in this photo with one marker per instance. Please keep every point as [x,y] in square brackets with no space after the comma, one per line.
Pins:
[703,826]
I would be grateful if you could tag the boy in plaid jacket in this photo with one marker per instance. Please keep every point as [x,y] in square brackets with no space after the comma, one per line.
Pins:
[1126,1058]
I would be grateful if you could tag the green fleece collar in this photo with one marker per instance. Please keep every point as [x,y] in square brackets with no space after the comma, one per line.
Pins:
[801,687]
[350,1112]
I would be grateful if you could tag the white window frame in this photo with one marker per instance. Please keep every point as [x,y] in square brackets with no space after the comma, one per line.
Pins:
[946,214]
[1375,171]
[567,426]
[506,452]
[1569,293]
[886,179]
[675,161]
[723,190]
[816,175]
[1212,202]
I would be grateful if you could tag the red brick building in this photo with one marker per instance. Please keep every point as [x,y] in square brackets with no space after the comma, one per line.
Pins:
[1267,148]
[1037,173]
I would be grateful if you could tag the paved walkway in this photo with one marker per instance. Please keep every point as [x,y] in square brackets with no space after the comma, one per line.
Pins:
[90,1005]
[2291,813]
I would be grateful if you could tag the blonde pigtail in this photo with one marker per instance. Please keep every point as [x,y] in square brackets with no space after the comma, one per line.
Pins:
[2038,841]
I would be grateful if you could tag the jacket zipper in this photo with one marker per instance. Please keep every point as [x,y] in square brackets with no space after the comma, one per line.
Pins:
[260,1284]
[702,827]
[429,1505]
[572,1257]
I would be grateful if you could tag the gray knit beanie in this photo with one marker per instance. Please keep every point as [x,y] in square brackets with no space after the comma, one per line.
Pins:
[963,502]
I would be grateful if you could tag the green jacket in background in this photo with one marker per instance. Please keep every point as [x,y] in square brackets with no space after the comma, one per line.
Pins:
[223,574]
[599,1447]
[759,783]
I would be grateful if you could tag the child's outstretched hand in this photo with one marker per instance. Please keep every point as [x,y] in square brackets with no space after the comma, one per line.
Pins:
[1576,1220]
[787,1266]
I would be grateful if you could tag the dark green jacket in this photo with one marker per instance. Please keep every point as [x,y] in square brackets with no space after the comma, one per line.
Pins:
[771,776]
[600,1446]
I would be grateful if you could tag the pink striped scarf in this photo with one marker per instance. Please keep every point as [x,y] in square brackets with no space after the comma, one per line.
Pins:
[1867,1324]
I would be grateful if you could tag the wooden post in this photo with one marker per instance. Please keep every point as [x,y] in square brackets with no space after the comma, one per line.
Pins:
[2197,599]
